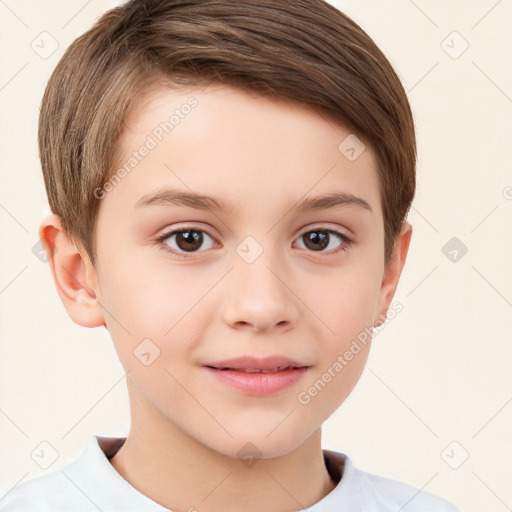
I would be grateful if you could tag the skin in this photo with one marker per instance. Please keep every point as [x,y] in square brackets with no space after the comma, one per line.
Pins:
[261,156]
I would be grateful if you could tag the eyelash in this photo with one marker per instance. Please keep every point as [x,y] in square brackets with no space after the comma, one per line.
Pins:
[346,242]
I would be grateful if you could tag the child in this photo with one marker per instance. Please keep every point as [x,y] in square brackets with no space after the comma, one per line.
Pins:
[229,184]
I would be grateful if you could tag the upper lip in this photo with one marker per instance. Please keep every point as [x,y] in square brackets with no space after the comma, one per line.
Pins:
[272,363]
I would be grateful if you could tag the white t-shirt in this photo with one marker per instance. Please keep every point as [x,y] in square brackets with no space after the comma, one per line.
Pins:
[90,483]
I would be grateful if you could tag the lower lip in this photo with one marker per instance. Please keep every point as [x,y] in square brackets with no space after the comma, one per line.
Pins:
[259,384]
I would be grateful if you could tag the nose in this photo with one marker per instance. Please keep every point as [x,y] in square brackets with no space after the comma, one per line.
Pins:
[258,298]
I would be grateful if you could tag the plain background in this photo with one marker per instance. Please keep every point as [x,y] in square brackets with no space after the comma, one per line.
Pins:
[438,384]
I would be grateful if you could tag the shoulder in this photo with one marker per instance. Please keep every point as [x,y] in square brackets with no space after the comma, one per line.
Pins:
[46,493]
[66,488]
[402,495]
[86,484]
[368,492]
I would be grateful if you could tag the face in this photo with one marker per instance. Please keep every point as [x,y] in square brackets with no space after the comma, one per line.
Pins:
[227,311]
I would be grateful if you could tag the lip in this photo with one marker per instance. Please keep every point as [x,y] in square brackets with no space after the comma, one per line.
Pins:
[258,376]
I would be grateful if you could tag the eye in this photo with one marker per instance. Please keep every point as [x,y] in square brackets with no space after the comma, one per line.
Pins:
[319,239]
[185,241]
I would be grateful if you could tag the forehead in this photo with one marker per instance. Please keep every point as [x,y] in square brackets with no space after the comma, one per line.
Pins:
[237,145]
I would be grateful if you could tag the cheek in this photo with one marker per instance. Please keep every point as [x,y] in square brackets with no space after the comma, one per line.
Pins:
[153,304]
[346,301]
[347,310]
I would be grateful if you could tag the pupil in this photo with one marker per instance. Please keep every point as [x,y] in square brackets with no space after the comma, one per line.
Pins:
[317,240]
[189,240]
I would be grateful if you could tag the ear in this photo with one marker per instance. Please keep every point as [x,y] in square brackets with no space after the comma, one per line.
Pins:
[392,272]
[73,273]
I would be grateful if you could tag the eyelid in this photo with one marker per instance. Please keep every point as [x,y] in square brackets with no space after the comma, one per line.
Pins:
[176,228]
[345,232]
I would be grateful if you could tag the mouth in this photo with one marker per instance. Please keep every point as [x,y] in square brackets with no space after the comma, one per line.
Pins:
[256,376]
[250,364]
[256,370]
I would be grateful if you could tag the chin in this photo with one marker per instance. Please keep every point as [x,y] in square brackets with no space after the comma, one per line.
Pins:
[255,442]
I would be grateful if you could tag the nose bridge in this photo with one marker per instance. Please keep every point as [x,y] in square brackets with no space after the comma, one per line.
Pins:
[257,295]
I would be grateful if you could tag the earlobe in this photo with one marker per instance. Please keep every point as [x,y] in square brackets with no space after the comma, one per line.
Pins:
[73,274]
[393,271]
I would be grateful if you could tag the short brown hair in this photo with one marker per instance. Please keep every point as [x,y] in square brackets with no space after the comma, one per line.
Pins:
[301,50]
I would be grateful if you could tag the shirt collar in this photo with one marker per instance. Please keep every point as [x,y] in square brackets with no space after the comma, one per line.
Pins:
[103,481]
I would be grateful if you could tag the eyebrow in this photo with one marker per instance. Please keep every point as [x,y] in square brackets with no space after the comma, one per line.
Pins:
[203,202]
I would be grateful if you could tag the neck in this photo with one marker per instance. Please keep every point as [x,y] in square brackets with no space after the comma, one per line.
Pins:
[181,474]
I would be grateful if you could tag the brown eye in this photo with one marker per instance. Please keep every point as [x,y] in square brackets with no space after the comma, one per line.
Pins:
[185,241]
[316,240]
[319,239]
[189,240]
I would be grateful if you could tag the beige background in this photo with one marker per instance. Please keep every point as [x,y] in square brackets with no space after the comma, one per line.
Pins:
[440,372]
